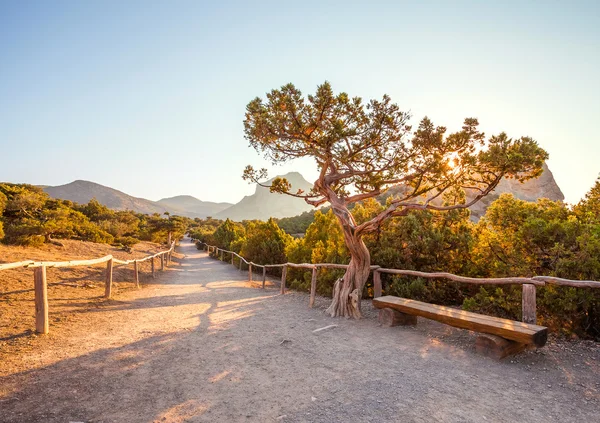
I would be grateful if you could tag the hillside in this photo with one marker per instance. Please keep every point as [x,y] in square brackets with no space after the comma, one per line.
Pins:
[183,205]
[83,191]
[543,187]
[192,205]
[264,204]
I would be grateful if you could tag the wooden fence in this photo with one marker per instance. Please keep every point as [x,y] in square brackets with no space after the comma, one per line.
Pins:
[41,286]
[529,284]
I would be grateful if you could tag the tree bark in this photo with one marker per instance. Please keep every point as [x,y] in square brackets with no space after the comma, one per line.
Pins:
[347,291]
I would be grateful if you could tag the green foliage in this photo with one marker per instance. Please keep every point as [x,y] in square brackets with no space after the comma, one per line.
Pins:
[203,230]
[265,243]
[127,241]
[588,209]
[517,238]
[514,238]
[297,224]
[28,216]
[227,234]
[322,243]
[501,302]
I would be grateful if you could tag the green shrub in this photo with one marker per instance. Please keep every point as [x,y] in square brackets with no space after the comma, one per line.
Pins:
[127,241]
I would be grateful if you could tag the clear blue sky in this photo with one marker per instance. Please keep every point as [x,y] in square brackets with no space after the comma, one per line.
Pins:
[148,97]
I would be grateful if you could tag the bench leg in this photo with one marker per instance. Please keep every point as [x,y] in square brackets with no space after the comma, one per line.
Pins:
[497,347]
[390,317]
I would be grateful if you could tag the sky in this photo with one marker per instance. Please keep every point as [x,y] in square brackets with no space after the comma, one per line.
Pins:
[148,97]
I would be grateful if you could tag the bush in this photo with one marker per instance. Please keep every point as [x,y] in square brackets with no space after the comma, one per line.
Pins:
[127,241]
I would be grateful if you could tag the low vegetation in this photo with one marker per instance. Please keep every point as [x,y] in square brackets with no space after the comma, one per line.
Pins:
[513,238]
[28,216]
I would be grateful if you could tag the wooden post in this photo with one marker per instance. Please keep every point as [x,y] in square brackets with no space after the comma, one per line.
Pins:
[221,255]
[283,276]
[240,264]
[109,276]
[376,283]
[137,274]
[166,256]
[41,299]
[232,258]
[162,262]
[529,304]
[313,287]
[264,276]
[250,272]
[152,264]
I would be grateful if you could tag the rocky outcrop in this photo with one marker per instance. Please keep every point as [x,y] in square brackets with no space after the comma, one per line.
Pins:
[543,187]
[264,204]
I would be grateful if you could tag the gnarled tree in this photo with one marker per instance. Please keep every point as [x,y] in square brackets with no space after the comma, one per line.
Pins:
[362,150]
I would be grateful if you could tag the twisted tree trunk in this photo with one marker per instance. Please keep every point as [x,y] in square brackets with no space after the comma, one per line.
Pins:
[347,291]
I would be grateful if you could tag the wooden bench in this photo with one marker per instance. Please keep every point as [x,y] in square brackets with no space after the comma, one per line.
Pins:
[501,337]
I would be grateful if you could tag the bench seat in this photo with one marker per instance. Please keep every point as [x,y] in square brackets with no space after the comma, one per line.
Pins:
[523,333]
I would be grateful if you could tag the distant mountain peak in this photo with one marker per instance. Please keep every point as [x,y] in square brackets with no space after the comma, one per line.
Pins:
[81,191]
[264,204]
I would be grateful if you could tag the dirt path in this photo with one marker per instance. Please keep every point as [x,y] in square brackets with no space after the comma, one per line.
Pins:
[204,345]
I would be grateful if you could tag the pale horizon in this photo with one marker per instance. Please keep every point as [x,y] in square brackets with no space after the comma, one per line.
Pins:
[149,98]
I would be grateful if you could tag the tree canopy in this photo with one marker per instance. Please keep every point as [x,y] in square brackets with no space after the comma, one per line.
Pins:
[363,149]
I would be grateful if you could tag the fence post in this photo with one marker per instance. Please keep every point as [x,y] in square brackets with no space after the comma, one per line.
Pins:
[377,284]
[41,299]
[283,276]
[109,277]
[250,273]
[137,274]
[264,276]
[232,259]
[241,263]
[152,264]
[162,262]
[313,287]
[529,304]
[221,255]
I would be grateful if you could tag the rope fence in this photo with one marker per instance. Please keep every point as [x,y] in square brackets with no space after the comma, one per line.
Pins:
[529,314]
[41,284]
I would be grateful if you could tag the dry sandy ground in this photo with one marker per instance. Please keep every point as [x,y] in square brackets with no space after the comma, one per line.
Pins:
[203,345]
[70,289]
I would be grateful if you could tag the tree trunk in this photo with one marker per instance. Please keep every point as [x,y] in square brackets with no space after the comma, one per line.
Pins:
[347,291]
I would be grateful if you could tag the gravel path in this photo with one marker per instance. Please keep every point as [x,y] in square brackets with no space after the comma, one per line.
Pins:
[203,345]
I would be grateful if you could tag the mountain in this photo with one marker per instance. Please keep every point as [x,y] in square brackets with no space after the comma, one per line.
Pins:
[83,191]
[193,205]
[543,187]
[264,204]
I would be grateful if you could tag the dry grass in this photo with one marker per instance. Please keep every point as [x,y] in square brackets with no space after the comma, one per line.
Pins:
[70,290]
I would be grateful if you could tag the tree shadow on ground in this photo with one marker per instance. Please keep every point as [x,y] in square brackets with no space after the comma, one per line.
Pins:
[118,383]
